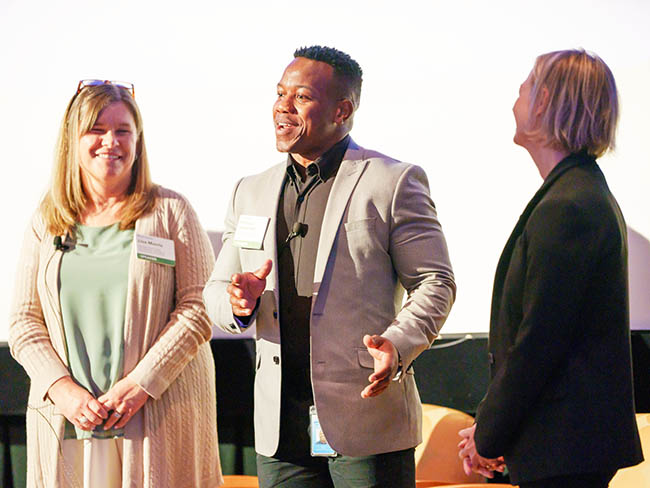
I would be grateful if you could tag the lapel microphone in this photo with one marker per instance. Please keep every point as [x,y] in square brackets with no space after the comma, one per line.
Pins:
[298,230]
[59,245]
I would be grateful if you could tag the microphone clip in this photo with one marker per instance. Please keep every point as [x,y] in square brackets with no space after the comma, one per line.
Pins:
[298,230]
[59,245]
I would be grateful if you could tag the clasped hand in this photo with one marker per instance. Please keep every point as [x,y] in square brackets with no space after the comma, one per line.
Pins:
[86,412]
[472,460]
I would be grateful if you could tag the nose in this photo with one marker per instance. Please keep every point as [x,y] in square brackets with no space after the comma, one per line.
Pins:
[284,105]
[109,139]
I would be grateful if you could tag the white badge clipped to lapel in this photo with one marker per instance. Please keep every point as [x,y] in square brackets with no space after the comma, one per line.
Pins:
[155,249]
[250,231]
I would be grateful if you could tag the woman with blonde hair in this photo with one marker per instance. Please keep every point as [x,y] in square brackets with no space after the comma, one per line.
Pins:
[108,319]
[559,410]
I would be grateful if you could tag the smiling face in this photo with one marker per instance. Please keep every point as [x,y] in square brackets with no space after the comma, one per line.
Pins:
[309,117]
[107,151]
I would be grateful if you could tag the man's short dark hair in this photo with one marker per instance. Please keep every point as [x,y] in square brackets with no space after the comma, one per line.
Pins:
[346,69]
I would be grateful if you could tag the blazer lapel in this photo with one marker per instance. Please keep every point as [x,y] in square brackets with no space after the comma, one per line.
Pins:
[271,200]
[346,179]
[504,261]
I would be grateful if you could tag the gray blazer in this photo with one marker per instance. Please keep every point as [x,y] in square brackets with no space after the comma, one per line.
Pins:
[380,236]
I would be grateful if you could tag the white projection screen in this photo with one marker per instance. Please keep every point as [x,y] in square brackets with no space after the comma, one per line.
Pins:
[440,79]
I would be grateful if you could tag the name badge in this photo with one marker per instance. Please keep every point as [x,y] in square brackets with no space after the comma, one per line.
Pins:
[155,249]
[319,445]
[250,231]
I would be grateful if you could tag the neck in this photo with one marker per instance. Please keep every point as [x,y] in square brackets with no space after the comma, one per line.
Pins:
[546,158]
[104,202]
[306,159]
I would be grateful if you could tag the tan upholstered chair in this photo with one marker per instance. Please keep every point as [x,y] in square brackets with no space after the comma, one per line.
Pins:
[436,459]
[639,475]
[240,481]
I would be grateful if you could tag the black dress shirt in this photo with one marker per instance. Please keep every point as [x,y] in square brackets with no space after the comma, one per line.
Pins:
[303,200]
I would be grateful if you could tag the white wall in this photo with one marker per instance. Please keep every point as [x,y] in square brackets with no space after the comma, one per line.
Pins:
[440,79]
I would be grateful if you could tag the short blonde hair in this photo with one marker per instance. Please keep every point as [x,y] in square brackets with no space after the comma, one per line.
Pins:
[65,199]
[582,111]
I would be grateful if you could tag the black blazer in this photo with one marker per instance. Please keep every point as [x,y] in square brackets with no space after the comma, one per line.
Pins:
[561,398]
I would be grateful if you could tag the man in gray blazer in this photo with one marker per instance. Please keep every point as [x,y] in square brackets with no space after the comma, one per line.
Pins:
[317,252]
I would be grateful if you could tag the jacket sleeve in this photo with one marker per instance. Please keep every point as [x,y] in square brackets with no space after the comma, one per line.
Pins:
[188,325]
[29,337]
[557,261]
[419,253]
[215,296]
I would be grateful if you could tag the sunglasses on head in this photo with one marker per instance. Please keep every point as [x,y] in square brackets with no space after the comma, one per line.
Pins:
[122,84]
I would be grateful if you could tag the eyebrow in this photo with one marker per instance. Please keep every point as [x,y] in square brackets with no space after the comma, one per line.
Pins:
[123,124]
[306,87]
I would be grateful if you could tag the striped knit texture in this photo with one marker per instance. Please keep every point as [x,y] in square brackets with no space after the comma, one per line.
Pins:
[172,440]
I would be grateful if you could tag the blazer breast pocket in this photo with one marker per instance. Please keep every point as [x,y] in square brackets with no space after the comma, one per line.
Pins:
[362,240]
[367,225]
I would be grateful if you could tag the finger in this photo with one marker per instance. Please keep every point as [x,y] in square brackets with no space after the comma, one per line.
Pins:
[91,417]
[467,466]
[113,419]
[82,422]
[242,302]
[371,341]
[240,306]
[465,452]
[484,472]
[374,389]
[110,421]
[123,420]
[97,408]
[481,467]
[235,291]
[264,270]
[365,393]
[465,432]
[242,312]
[381,374]
[235,279]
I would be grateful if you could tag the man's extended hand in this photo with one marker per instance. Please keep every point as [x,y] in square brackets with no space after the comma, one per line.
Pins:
[472,460]
[245,288]
[386,361]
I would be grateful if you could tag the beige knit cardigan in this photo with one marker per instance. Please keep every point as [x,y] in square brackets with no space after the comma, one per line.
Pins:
[172,440]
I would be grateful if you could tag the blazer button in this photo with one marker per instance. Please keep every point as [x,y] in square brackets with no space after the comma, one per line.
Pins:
[275,314]
[276,359]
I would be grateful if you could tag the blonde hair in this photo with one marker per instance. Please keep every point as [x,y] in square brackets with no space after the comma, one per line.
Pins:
[582,110]
[65,199]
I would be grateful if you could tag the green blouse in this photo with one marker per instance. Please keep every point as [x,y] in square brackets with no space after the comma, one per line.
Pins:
[93,286]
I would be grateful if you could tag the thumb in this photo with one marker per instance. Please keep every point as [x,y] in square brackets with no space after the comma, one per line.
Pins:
[264,270]
[370,341]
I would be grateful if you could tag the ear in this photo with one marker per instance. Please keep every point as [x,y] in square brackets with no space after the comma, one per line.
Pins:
[344,110]
[542,102]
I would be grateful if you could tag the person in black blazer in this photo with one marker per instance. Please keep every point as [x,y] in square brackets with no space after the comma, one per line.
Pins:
[559,411]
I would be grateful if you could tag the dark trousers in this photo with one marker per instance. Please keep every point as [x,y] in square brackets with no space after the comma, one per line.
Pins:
[585,480]
[389,470]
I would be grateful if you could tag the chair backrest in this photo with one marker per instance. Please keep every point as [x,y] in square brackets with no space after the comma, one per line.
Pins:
[639,475]
[437,457]
[240,481]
